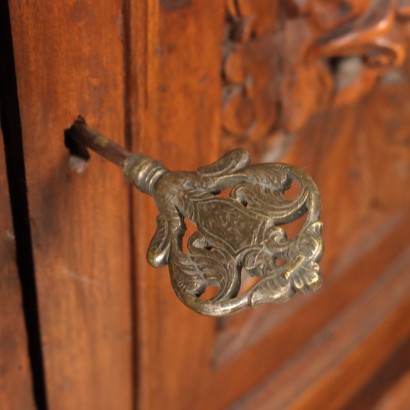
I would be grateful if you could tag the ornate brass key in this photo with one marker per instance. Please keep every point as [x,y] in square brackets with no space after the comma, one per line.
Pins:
[241,232]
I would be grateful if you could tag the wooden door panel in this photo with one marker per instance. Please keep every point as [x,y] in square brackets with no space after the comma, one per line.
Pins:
[174,119]
[206,355]
[69,61]
[16,388]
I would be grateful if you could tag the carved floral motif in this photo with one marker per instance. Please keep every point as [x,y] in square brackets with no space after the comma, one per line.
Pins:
[284,61]
[250,62]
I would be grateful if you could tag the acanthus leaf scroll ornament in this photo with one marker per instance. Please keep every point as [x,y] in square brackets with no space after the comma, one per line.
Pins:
[284,61]
[249,72]
[244,231]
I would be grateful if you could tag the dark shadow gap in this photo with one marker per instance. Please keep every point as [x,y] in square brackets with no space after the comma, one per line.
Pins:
[128,139]
[12,132]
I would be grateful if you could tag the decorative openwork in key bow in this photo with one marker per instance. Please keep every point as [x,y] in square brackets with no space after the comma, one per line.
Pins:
[241,232]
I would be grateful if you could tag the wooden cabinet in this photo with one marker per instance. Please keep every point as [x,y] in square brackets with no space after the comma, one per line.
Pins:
[324,85]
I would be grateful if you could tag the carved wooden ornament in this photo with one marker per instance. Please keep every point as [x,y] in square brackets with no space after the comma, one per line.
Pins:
[284,61]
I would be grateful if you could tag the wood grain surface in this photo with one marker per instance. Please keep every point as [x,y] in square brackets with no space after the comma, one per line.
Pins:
[175,117]
[15,372]
[69,61]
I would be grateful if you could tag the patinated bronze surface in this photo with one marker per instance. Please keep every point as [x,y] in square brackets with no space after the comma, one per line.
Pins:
[241,232]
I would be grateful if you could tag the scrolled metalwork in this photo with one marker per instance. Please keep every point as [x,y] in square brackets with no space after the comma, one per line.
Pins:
[241,232]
